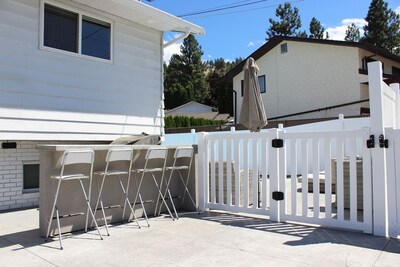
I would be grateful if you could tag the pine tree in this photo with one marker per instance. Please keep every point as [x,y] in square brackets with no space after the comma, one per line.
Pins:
[383,27]
[185,79]
[289,22]
[316,29]
[352,33]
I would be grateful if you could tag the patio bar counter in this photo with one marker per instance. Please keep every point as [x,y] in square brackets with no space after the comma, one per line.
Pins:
[71,200]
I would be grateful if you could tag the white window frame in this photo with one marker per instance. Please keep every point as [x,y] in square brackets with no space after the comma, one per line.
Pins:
[81,13]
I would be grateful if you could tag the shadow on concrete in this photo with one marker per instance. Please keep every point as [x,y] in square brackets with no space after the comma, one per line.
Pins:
[309,235]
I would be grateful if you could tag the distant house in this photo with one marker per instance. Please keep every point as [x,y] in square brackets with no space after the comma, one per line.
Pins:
[197,110]
[76,71]
[307,78]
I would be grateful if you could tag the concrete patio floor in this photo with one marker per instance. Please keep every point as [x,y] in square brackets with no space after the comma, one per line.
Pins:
[208,239]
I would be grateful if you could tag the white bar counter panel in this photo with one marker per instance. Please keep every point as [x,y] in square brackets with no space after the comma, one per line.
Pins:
[71,200]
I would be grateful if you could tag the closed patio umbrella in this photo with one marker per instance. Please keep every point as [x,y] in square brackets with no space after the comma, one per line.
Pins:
[252,114]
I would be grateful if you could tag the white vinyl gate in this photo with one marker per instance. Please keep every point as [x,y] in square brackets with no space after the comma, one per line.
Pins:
[321,178]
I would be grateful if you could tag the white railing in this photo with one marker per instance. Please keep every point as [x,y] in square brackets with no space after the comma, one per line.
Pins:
[241,172]
[329,179]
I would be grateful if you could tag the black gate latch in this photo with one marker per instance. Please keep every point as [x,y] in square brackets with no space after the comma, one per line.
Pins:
[371,141]
[383,143]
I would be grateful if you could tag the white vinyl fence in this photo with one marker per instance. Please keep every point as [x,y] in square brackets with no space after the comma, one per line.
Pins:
[348,178]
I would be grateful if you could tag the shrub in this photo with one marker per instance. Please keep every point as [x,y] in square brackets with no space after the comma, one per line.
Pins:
[185,121]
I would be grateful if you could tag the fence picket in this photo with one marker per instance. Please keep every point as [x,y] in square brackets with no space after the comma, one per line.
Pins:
[353,179]
[328,179]
[229,172]
[293,176]
[304,177]
[339,179]
[315,168]
[255,174]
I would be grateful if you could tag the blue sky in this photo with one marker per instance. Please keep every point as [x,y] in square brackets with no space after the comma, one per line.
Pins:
[240,31]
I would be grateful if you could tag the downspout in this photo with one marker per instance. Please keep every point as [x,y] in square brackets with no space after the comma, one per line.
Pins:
[162,105]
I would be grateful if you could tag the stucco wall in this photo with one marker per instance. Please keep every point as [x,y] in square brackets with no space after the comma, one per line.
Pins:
[310,76]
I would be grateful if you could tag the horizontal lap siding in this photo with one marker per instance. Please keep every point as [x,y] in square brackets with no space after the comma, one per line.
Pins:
[58,96]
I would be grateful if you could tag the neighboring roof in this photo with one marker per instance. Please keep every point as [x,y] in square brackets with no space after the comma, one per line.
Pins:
[185,105]
[205,115]
[274,41]
[144,14]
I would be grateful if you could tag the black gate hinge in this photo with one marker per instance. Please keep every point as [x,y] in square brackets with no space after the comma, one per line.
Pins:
[371,141]
[278,196]
[383,143]
[277,143]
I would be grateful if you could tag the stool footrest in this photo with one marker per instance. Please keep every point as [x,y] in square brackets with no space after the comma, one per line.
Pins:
[69,215]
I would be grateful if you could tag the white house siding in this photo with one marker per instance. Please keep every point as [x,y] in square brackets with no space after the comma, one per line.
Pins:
[309,76]
[48,95]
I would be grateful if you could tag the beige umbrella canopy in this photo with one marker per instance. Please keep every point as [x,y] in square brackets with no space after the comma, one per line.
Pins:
[252,114]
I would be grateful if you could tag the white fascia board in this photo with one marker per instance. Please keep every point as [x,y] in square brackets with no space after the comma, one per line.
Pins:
[144,14]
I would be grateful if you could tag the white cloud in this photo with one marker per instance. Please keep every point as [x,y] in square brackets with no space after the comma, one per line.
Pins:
[397,10]
[339,32]
[170,50]
[255,43]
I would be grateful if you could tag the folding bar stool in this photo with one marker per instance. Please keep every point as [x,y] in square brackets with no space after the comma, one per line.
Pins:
[183,158]
[115,159]
[73,157]
[152,155]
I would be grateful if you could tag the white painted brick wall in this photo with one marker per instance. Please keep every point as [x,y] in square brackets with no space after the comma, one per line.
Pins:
[11,176]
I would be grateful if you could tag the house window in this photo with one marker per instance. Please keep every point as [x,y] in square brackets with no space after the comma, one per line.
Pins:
[30,176]
[284,48]
[261,83]
[367,60]
[77,33]
[395,71]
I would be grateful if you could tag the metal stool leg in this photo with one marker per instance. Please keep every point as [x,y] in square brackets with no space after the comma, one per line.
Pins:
[162,197]
[128,202]
[187,190]
[59,228]
[90,209]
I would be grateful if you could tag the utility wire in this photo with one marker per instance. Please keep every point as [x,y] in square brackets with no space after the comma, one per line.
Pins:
[221,8]
[243,10]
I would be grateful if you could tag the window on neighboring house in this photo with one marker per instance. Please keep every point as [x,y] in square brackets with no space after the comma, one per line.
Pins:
[395,71]
[30,176]
[367,60]
[73,32]
[284,48]
[261,82]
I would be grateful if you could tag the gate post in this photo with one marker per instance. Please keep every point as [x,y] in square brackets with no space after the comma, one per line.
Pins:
[275,205]
[378,155]
[202,171]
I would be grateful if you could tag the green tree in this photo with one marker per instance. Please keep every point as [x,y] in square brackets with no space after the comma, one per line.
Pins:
[316,29]
[289,21]
[383,27]
[221,90]
[352,33]
[185,77]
